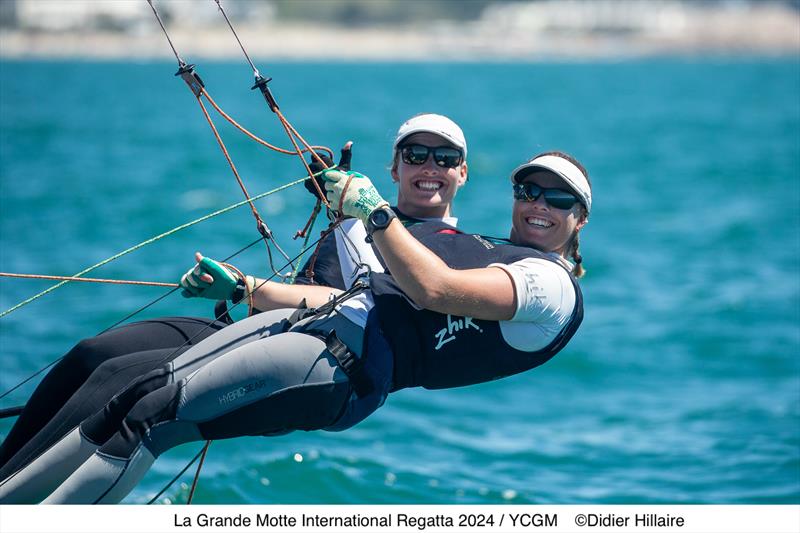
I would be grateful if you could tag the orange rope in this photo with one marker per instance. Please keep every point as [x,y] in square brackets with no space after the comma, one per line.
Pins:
[297,134]
[258,139]
[197,474]
[228,157]
[91,280]
[289,130]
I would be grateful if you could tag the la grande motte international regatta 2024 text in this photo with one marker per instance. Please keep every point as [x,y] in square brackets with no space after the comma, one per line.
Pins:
[389,520]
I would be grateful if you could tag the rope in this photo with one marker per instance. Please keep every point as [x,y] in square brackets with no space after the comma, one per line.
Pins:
[197,474]
[261,226]
[90,280]
[305,232]
[228,158]
[150,241]
[255,137]
[117,323]
[291,132]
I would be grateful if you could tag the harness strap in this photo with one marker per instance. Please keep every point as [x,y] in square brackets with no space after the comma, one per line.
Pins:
[303,311]
[350,363]
[299,314]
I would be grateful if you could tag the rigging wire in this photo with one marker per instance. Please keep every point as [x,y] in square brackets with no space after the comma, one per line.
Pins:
[255,70]
[177,476]
[294,136]
[197,89]
[262,84]
[196,85]
[160,23]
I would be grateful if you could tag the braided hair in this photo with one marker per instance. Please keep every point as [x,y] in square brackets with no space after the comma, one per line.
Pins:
[574,245]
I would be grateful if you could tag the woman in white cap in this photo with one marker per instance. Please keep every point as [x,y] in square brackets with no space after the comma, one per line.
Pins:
[457,309]
[429,166]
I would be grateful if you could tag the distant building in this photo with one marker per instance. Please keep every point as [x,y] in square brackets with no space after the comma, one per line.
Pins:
[121,15]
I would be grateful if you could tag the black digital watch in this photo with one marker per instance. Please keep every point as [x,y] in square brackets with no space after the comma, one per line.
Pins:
[378,220]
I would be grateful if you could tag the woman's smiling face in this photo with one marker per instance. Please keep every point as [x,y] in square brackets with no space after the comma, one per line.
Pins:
[427,190]
[538,224]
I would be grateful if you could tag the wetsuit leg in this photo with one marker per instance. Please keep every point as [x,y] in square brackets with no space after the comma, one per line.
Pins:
[69,374]
[107,380]
[37,478]
[269,386]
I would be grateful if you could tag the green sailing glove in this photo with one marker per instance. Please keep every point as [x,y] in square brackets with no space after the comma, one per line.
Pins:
[361,197]
[220,289]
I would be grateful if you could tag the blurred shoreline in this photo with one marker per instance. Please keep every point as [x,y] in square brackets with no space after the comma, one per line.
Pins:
[505,32]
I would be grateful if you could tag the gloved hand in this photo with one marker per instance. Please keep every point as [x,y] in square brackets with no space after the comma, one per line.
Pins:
[352,193]
[316,166]
[208,279]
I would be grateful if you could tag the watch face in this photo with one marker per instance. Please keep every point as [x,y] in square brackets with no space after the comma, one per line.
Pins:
[380,217]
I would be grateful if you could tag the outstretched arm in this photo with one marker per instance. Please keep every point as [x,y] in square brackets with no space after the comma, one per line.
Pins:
[210,279]
[270,295]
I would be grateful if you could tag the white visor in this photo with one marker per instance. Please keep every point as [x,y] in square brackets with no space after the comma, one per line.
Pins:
[432,123]
[564,169]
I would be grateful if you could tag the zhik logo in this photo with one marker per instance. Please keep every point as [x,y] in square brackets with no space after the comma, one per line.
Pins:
[447,334]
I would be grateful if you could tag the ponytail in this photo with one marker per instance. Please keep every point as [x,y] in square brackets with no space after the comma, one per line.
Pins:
[577,258]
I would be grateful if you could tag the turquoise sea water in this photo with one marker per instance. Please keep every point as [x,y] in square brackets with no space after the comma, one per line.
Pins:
[683,384]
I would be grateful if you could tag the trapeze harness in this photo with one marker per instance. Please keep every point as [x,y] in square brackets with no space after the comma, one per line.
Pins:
[438,351]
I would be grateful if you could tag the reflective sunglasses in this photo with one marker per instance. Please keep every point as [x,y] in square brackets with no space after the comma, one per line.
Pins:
[530,192]
[444,156]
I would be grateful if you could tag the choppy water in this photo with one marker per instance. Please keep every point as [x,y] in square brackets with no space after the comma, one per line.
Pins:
[683,384]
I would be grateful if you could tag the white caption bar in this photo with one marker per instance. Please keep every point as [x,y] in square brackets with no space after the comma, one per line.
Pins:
[401,518]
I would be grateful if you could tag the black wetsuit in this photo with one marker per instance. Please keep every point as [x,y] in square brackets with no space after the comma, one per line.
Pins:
[98,367]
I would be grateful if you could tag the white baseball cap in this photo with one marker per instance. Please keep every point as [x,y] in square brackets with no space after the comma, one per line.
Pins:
[563,168]
[431,123]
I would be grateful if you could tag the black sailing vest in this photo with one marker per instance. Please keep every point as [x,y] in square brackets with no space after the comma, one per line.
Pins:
[439,351]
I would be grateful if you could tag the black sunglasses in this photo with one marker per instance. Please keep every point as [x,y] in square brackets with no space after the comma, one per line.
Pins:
[530,192]
[444,156]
